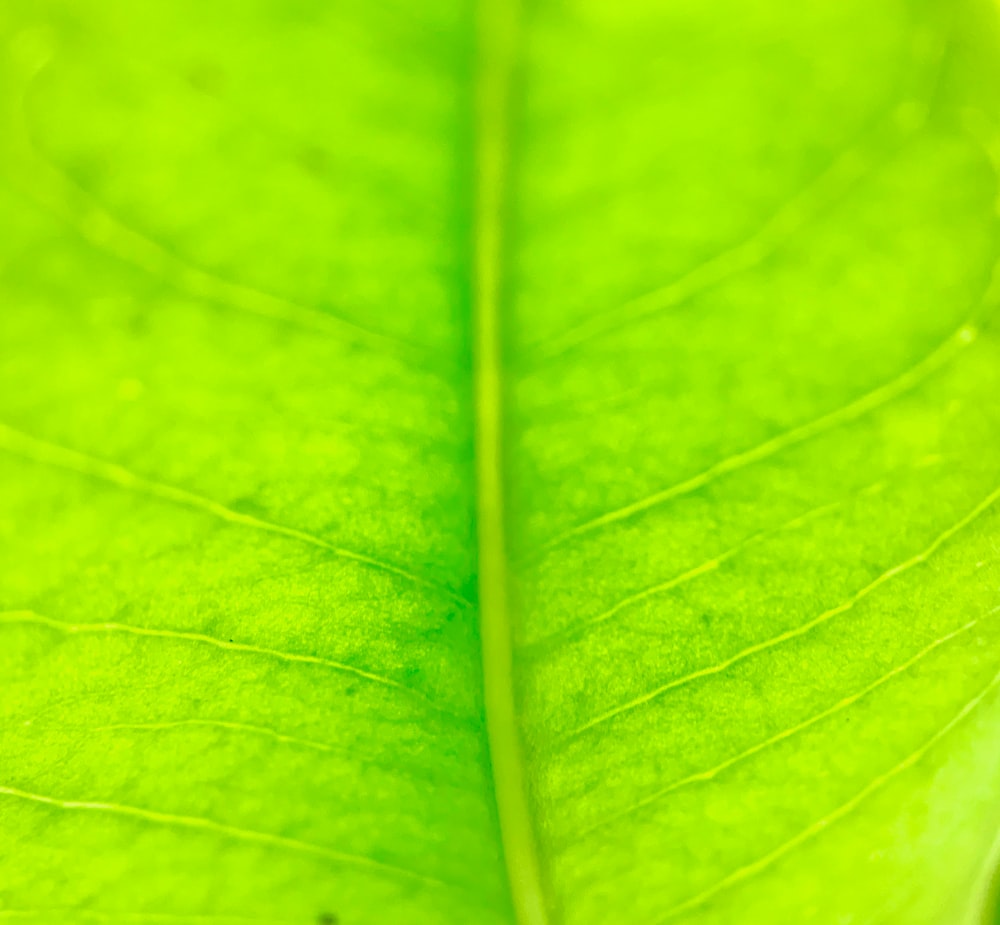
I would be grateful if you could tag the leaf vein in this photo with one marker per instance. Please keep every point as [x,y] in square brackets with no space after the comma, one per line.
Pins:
[958,341]
[703,568]
[31,617]
[842,704]
[820,825]
[42,451]
[94,223]
[220,828]
[798,631]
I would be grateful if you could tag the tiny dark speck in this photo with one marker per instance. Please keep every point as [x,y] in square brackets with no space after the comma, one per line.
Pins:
[327,918]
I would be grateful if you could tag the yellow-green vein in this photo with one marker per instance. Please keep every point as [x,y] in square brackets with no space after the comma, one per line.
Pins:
[497,39]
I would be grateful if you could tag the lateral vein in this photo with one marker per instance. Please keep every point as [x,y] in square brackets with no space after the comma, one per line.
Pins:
[845,809]
[26,446]
[59,194]
[844,703]
[219,828]
[898,124]
[30,617]
[918,559]
[909,379]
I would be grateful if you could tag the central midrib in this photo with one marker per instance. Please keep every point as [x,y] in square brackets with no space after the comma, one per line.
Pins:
[496,49]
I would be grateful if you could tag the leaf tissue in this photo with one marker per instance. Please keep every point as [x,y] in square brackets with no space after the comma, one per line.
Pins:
[470,462]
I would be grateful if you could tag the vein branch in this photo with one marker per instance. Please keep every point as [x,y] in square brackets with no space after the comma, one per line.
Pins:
[845,809]
[26,446]
[906,381]
[220,828]
[798,631]
[62,196]
[75,629]
[844,703]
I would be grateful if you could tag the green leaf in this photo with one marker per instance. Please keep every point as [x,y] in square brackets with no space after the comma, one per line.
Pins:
[469,464]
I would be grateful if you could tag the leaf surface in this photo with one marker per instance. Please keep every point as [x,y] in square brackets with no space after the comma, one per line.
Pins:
[467,465]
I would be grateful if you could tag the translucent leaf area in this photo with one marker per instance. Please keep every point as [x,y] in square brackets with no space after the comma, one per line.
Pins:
[468,463]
